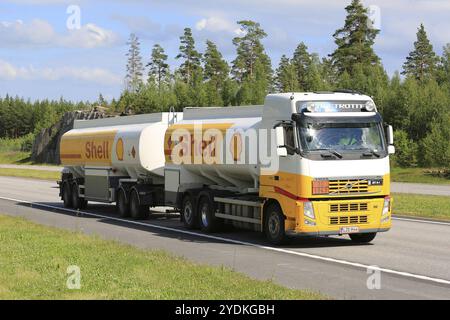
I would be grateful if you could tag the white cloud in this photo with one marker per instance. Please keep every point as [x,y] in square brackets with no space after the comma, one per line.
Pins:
[39,32]
[217,24]
[84,74]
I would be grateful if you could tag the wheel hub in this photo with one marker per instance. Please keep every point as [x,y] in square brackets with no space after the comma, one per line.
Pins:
[274,224]
[204,214]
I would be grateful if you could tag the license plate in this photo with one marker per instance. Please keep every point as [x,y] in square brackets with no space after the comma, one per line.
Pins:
[347,230]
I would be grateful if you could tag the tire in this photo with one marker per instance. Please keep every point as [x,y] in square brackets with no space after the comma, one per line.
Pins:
[207,219]
[67,195]
[77,202]
[123,209]
[274,225]
[137,211]
[362,237]
[189,215]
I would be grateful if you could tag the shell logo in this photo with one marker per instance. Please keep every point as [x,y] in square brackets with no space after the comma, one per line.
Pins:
[119,149]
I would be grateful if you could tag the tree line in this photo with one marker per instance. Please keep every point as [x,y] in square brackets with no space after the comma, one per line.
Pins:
[22,119]
[416,100]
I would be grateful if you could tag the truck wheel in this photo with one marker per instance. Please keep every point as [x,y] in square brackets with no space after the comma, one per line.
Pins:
[122,206]
[77,202]
[362,237]
[274,225]
[137,211]
[67,195]
[208,221]
[188,213]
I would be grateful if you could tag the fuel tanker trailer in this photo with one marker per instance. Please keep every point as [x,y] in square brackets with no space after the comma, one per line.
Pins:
[117,159]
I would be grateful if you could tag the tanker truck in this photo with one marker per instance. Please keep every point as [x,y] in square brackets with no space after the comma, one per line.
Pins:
[314,164]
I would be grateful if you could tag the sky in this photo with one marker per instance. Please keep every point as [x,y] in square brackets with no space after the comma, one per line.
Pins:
[76,48]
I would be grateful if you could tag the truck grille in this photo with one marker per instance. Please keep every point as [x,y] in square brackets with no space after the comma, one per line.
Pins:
[348,207]
[348,220]
[348,186]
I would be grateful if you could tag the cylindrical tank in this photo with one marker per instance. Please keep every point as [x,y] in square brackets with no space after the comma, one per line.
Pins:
[224,145]
[130,146]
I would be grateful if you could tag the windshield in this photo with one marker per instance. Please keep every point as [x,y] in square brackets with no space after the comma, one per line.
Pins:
[341,137]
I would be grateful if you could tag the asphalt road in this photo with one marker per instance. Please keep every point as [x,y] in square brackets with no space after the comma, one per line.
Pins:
[413,258]
[421,188]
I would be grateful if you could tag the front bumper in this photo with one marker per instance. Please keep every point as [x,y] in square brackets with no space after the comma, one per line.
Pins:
[331,215]
[332,233]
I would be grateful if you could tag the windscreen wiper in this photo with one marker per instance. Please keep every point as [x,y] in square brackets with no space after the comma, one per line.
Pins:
[333,152]
[371,153]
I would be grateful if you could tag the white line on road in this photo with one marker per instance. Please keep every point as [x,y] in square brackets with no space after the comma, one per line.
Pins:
[297,253]
[422,221]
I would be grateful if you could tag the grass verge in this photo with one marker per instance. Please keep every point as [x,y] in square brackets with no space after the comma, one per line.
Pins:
[34,261]
[15,157]
[416,175]
[434,207]
[29,173]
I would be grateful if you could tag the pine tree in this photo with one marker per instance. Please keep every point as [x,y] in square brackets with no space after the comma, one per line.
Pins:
[301,62]
[314,80]
[355,40]
[216,72]
[135,67]
[101,101]
[252,67]
[216,68]
[443,73]
[422,61]
[249,51]
[286,76]
[191,57]
[159,72]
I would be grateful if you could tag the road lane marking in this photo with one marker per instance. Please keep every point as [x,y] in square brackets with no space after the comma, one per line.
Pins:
[291,252]
[422,221]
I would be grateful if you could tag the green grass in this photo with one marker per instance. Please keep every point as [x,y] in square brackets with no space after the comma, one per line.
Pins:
[15,157]
[34,261]
[29,173]
[434,207]
[416,175]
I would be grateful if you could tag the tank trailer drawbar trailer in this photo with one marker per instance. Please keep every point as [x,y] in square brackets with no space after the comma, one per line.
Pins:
[313,164]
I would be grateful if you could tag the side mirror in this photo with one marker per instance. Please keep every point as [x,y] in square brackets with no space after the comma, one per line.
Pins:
[390,135]
[391,149]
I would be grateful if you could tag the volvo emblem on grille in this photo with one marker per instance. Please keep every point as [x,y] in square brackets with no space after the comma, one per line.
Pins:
[349,186]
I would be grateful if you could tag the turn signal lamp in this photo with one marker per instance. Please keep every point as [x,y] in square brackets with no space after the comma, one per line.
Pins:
[386,206]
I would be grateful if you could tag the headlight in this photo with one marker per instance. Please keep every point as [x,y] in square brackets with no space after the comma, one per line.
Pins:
[386,206]
[308,210]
